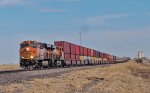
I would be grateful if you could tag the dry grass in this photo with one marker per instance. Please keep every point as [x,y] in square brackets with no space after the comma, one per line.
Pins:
[119,78]
[9,67]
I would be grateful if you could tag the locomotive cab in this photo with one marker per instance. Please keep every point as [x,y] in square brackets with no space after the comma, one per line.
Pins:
[28,53]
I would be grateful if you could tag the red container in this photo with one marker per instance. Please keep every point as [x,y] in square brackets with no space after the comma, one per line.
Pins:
[108,57]
[81,51]
[73,48]
[85,51]
[78,57]
[92,53]
[73,57]
[111,58]
[77,50]
[100,54]
[97,54]
[64,45]
[89,52]
[104,55]
[67,59]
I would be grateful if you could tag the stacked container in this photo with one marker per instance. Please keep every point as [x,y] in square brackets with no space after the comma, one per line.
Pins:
[89,56]
[82,54]
[67,51]
[73,51]
[77,54]
[85,55]
[104,58]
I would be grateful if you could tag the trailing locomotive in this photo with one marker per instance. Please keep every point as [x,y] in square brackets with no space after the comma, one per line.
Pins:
[35,54]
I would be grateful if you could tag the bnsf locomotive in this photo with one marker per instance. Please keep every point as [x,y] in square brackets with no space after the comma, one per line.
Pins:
[35,54]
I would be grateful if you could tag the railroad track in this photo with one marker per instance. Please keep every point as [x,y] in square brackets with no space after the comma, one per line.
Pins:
[12,71]
[18,76]
[22,70]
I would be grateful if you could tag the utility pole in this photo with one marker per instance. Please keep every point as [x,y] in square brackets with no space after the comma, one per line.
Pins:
[83,29]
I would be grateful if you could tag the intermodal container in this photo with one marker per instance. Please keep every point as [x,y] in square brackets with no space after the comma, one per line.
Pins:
[104,55]
[85,51]
[92,52]
[81,51]
[73,59]
[108,57]
[113,58]
[77,50]
[100,54]
[97,52]
[73,49]
[64,45]
[67,58]
[89,52]
[77,57]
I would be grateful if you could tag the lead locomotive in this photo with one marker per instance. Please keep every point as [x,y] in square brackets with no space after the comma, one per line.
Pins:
[35,54]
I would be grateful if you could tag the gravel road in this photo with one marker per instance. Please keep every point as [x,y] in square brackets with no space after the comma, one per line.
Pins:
[18,77]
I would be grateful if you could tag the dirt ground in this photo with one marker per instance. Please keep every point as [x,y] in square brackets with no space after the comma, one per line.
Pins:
[9,67]
[127,77]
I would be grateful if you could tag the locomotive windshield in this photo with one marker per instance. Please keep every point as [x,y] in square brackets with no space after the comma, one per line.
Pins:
[23,45]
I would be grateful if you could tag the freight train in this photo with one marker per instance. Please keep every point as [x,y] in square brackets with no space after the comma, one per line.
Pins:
[35,54]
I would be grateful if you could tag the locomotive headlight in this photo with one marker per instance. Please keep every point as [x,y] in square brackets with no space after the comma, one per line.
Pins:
[22,57]
[31,57]
[27,49]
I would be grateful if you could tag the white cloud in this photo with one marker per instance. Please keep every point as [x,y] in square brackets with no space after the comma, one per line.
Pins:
[51,10]
[10,2]
[15,2]
[100,20]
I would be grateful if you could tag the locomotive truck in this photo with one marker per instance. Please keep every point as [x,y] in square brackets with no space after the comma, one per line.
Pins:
[35,54]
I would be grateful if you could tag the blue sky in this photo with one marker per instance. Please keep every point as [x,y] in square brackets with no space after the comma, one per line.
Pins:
[120,27]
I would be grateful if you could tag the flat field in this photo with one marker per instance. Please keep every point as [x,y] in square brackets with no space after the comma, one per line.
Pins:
[9,67]
[127,77]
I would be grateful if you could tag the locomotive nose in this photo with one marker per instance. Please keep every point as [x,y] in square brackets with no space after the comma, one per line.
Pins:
[26,53]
